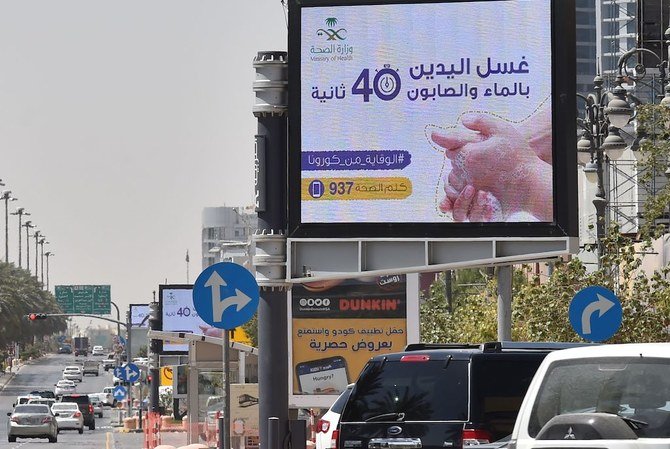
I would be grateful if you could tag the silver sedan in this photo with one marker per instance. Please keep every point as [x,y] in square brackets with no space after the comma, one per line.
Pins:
[32,421]
[68,416]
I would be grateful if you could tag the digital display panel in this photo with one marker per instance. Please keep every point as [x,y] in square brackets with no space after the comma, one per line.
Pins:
[179,315]
[139,315]
[440,113]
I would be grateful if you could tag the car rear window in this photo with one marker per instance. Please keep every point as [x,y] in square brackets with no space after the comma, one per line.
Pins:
[434,390]
[77,399]
[498,385]
[65,406]
[37,408]
[338,406]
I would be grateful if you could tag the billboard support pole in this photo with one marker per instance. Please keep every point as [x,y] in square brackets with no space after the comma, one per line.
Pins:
[504,274]
[154,324]
[128,359]
[269,259]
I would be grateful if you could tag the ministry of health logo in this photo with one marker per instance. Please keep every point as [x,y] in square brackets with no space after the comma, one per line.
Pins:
[330,32]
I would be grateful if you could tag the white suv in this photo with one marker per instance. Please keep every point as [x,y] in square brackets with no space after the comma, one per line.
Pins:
[613,396]
[73,373]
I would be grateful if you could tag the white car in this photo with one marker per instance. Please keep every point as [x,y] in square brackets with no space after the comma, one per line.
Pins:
[613,396]
[107,396]
[96,403]
[24,399]
[329,421]
[64,387]
[98,350]
[68,416]
[73,372]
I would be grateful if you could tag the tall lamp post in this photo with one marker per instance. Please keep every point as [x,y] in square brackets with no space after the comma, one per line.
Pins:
[20,211]
[28,224]
[50,254]
[605,114]
[42,242]
[37,236]
[7,196]
[600,142]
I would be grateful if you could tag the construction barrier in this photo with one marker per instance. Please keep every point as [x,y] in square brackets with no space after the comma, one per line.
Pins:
[152,430]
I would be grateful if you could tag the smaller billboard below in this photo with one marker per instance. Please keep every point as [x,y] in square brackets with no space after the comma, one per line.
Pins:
[337,325]
[139,315]
[93,299]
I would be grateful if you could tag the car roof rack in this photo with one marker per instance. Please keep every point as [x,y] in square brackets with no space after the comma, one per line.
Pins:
[425,346]
[498,346]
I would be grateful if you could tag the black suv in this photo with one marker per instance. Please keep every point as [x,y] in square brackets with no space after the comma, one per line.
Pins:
[85,407]
[437,396]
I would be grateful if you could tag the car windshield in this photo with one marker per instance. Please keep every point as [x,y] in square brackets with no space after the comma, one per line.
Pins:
[414,390]
[37,408]
[637,388]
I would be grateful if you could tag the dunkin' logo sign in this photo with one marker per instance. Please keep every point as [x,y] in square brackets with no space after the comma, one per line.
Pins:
[369,304]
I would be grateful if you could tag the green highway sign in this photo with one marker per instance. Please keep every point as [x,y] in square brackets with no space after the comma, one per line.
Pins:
[93,299]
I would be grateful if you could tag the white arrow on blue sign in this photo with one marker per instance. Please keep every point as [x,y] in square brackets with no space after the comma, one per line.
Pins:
[118,372]
[225,295]
[595,313]
[120,393]
[130,373]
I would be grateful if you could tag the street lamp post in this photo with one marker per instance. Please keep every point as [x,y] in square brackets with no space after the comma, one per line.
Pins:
[49,254]
[20,211]
[7,196]
[42,242]
[37,236]
[28,224]
[600,140]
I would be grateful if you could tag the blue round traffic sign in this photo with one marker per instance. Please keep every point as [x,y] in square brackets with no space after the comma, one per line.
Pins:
[225,295]
[120,393]
[595,313]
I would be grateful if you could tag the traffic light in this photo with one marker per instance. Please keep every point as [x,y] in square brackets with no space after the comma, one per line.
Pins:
[37,316]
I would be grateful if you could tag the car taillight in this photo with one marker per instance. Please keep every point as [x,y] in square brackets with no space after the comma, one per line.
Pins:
[90,408]
[334,439]
[14,419]
[77,414]
[475,436]
[46,419]
[322,426]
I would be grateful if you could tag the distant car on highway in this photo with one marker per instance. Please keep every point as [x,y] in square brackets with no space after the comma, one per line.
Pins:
[64,387]
[96,403]
[65,349]
[43,393]
[107,396]
[73,372]
[69,416]
[85,407]
[32,421]
[98,351]
[45,401]
[23,399]
[109,362]
[91,367]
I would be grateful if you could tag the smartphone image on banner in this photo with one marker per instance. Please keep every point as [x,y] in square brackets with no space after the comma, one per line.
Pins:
[323,376]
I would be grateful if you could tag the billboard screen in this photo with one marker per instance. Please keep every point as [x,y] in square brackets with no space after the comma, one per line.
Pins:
[139,315]
[178,315]
[439,114]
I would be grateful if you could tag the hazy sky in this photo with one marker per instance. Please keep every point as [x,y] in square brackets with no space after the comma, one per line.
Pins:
[120,121]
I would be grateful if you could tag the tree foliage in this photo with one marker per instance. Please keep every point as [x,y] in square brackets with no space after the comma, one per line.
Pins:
[540,309]
[21,294]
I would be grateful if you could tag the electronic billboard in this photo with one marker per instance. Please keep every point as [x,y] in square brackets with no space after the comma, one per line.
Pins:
[442,119]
